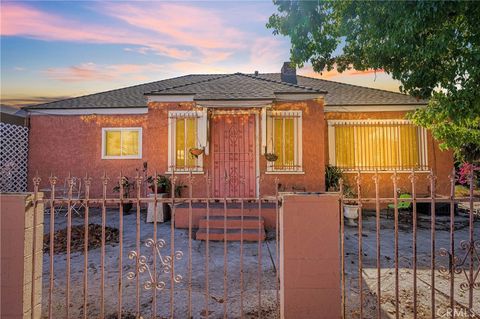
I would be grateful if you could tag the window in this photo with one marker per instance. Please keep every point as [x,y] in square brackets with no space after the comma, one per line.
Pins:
[186,131]
[122,143]
[382,145]
[284,139]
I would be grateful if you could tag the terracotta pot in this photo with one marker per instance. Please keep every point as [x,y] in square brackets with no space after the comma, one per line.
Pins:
[196,151]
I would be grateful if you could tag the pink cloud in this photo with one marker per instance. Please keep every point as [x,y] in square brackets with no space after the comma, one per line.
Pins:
[22,20]
[181,24]
[267,53]
[179,31]
[93,72]
[26,21]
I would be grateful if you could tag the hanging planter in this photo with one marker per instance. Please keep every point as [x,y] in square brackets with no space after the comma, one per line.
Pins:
[271,157]
[196,152]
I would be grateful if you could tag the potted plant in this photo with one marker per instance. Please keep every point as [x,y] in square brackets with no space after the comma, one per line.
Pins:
[332,178]
[350,211]
[196,151]
[127,188]
[178,189]
[270,156]
[163,184]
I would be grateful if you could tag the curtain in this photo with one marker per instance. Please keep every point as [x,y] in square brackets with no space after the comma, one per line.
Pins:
[377,146]
[129,143]
[284,142]
[113,143]
[185,139]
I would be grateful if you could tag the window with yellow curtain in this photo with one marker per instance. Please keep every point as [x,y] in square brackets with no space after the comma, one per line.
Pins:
[383,145]
[121,143]
[185,139]
[284,140]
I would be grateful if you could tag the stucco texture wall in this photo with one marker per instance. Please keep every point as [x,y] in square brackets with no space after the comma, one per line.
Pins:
[440,162]
[63,144]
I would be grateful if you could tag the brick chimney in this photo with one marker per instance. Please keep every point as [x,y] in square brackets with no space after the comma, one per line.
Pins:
[288,73]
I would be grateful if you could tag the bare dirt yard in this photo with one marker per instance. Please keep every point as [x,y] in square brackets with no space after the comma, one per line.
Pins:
[249,295]
[217,303]
[424,273]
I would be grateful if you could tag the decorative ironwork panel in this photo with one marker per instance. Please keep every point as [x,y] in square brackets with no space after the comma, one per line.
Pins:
[14,158]
[234,155]
[145,265]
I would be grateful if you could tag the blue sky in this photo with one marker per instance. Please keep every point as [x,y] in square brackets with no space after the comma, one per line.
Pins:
[53,49]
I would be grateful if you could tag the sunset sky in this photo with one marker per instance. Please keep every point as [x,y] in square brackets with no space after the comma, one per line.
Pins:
[52,50]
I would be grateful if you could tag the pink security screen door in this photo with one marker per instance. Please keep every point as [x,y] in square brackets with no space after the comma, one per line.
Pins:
[233,137]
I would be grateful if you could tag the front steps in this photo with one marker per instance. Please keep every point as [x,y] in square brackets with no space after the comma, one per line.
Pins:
[253,228]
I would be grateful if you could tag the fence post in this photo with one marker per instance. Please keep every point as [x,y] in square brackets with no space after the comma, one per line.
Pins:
[22,255]
[310,256]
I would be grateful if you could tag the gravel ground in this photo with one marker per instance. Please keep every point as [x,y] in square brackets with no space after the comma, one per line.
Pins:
[216,300]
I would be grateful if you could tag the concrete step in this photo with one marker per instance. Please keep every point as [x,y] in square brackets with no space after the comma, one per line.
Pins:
[232,222]
[231,235]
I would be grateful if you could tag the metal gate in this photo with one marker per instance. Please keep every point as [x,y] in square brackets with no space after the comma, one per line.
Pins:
[234,155]
[104,262]
[409,262]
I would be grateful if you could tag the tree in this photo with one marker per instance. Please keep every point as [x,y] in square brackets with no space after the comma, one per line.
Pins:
[431,47]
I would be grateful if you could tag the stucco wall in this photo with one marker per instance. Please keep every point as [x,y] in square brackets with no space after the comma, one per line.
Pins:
[63,144]
[21,241]
[309,268]
[59,144]
[441,162]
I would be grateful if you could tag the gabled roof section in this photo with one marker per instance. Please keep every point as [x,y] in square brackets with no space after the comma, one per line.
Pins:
[237,86]
[128,97]
[348,94]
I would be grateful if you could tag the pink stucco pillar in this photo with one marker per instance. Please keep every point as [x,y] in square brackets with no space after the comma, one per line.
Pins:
[309,256]
[18,254]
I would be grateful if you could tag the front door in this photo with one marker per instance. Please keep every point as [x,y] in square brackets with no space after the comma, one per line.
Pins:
[233,149]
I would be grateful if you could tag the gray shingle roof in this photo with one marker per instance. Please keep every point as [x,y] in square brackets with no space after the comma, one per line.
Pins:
[236,86]
[233,87]
[348,94]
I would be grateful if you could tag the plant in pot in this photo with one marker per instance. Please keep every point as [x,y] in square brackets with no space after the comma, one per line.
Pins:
[178,189]
[163,184]
[270,156]
[332,178]
[127,187]
[196,151]
[350,211]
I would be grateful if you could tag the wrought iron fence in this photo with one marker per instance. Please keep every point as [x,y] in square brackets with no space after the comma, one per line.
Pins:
[102,262]
[419,264]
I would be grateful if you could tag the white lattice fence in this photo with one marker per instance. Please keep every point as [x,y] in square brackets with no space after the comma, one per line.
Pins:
[14,157]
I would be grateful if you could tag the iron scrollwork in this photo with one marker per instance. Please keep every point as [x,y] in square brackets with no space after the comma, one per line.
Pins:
[153,280]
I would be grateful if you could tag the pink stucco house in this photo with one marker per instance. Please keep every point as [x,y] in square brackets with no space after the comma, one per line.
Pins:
[234,120]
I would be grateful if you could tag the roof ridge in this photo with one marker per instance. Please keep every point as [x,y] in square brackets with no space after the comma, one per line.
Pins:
[113,90]
[187,84]
[281,82]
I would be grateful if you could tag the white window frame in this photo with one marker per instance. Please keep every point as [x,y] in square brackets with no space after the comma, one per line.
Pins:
[104,150]
[298,119]
[422,136]
[201,117]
